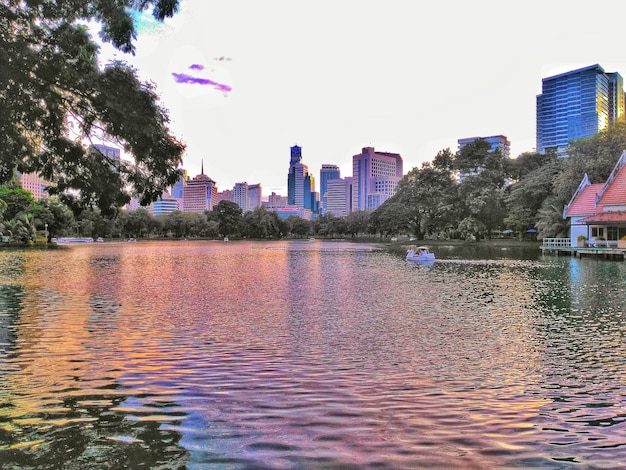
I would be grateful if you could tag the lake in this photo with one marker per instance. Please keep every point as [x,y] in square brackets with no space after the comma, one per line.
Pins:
[300,354]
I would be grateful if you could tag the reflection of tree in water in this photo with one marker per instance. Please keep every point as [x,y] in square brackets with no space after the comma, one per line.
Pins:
[83,425]
[10,306]
[92,437]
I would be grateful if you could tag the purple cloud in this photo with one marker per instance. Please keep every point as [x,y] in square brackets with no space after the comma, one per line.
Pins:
[184,78]
[196,67]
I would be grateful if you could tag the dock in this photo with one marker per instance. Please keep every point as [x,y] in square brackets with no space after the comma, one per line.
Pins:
[562,247]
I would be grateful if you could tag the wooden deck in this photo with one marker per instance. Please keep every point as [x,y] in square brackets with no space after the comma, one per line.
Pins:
[560,247]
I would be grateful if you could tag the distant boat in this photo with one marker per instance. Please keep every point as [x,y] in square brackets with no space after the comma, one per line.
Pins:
[311,239]
[226,239]
[68,240]
[132,240]
[420,254]
[394,239]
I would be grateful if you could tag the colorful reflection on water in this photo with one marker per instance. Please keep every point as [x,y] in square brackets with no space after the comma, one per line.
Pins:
[307,355]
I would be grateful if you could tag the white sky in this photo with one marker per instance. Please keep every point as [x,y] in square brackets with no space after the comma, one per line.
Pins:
[334,76]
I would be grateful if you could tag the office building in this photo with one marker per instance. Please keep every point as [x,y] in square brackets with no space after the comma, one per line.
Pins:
[199,194]
[275,201]
[577,104]
[240,196]
[34,184]
[327,173]
[375,178]
[255,196]
[166,204]
[339,197]
[301,184]
[177,189]
[226,195]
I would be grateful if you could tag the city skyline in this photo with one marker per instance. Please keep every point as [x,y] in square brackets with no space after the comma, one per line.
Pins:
[244,82]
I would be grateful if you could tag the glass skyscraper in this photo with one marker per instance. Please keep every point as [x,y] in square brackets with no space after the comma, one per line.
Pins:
[577,104]
[327,173]
[300,183]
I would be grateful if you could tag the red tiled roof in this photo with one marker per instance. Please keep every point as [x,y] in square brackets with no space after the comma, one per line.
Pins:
[601,217]
[585,202]
[615,193]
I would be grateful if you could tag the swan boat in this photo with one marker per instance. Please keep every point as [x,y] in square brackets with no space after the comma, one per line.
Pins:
[419,253]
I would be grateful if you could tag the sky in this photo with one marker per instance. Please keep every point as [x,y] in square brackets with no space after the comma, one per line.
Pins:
[245,80]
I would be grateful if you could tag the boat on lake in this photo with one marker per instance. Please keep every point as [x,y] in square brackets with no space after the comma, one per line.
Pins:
[68,240]
[420,254]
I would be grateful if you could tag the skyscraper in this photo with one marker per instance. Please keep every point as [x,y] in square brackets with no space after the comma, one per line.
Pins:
[199,194]
[339,197]
[240,195]
[375,178]
[327,173]
[255,196]
[577,104]
[177,189]
[300,183]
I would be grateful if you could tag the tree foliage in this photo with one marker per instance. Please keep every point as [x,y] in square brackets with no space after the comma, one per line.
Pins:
[56,97]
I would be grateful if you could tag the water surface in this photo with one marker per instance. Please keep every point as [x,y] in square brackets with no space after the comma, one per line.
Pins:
[308,355]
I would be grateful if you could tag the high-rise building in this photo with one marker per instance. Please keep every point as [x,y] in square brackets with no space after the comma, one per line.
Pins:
[166,204]
[577,104]
[496,142]
[199,194]
[177,189]
[226,195]
[255,196]
[339,196]
[300,183]
[375,178]
[327,173]
[276,200]
[240,196]
[33,183]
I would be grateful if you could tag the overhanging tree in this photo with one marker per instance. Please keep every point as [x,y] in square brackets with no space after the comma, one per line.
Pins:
[55,96]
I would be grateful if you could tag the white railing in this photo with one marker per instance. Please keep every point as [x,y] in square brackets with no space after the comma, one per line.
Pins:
[557,242]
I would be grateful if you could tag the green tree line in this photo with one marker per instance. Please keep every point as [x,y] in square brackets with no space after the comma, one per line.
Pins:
[494,194]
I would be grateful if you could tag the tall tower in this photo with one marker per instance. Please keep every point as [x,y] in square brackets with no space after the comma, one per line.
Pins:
[327,173]
[375,178]
[199,194]
[577,104]
[295,178]
[240,195]
[300,183]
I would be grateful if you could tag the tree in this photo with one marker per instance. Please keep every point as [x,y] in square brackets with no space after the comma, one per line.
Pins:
[16,200]
[229,216]
[56,97]
[482,187]
[261,223]
[299,227]
[550,222]
[525,198]
[596,156]
[428,195]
